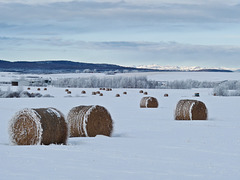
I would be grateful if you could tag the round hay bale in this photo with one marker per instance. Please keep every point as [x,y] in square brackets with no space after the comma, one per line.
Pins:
[38,126]
[69,92]
[45,89]
[94,93]
[141,91]
[89,121]
[124,92]
[83,92]
[28,88]
[117,95]
[100,89]
[149,102]
[103,89]
[101,94]
[187,109]
[145,93]
[66,90]
[165,95]
[39,89]
[98,92]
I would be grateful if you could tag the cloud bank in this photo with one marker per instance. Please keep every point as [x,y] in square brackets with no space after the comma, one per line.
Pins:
[122,32]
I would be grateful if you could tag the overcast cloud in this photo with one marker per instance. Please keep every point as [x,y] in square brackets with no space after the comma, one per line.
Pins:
[200,33]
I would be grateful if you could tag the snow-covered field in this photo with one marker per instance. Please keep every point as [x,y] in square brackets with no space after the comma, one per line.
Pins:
[146,143]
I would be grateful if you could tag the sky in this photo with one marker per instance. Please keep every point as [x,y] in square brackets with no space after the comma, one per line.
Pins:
[203,33]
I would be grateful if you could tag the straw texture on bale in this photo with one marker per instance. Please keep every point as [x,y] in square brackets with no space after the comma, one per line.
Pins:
[38,126]
[191,110]
[149,102]
[89,121]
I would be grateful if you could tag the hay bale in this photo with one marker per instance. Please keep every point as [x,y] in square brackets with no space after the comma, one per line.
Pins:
[145,93]
[117,95]
[103,89]
[66,90]
[94,93]
[124,92]
[191,110]
[165,95]
[101,94]
[83,92]
[98,92]
[100,89]
[69,92]
[45,89]
[28,88]
[148,102]
[38,126]
[141,91]
[39,89]
[89,121]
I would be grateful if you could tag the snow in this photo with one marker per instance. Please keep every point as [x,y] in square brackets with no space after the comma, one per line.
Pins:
[147,143]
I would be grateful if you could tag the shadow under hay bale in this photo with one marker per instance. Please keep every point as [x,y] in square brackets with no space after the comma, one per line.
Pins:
[191,110]
[148,102]
[89,121]
[38,126]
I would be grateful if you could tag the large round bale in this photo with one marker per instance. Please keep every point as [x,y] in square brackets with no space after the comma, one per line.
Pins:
[187,109]
[149,102]
[38,126]
[89,121]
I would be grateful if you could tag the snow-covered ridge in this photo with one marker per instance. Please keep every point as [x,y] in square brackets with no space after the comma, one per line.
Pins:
[183,68]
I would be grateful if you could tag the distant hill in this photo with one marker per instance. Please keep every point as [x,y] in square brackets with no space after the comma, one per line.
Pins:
[63,66]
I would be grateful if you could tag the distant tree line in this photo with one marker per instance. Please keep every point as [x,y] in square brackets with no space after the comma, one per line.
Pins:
[130,82]
[227,88]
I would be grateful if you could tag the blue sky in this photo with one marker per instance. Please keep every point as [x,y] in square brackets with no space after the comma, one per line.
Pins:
[166,32]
